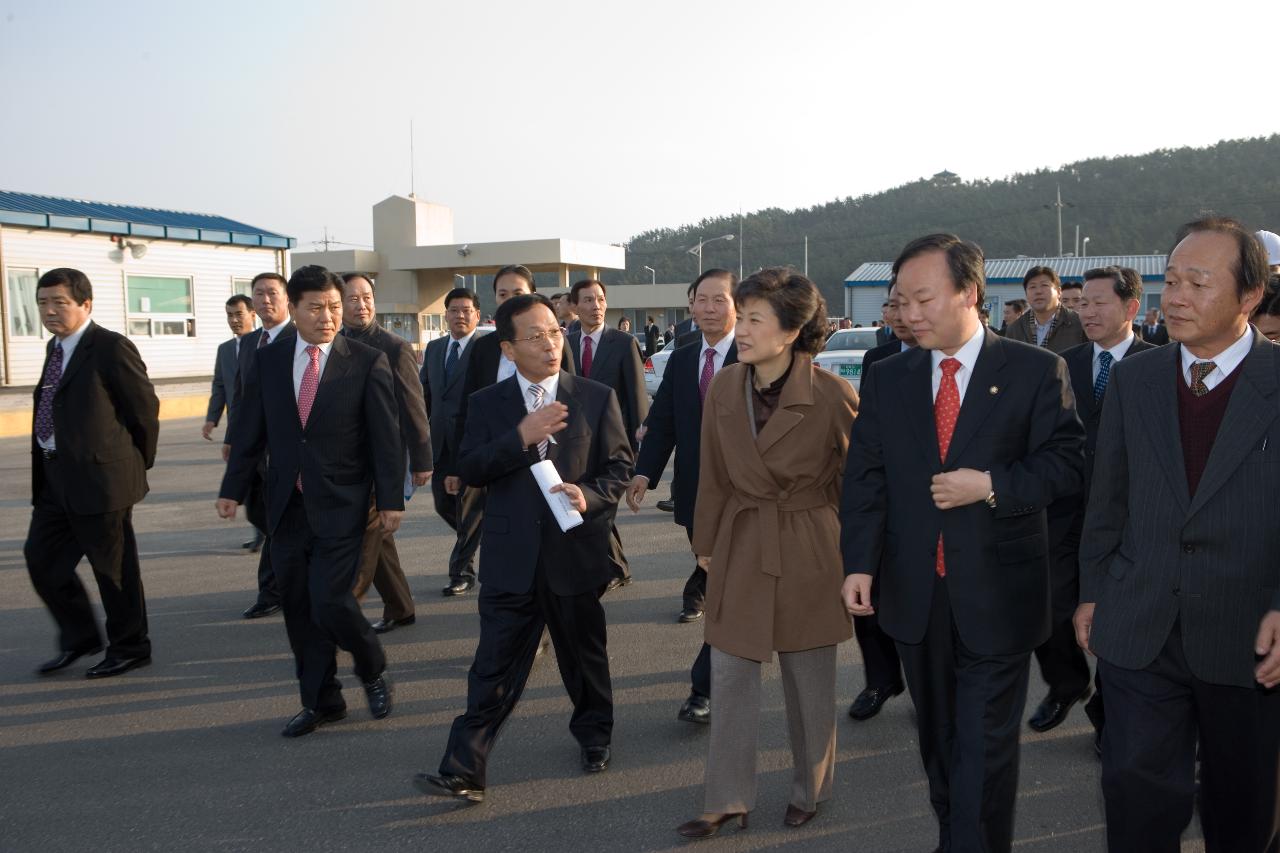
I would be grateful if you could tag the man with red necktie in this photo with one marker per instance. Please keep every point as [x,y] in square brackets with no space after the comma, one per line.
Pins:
[958,448]
[324,408]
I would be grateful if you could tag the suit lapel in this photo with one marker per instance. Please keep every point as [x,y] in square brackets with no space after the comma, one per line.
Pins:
[336,369]
[917,402]
[80,355]
[797,394]
[458,369]
[1250,411]
[731,357]
[1081,369]
[566,393]
[981,395]
[1160,414]
[575,347]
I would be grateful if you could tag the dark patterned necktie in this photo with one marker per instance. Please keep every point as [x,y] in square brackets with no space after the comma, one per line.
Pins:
[586,356]
[48,386]
[536,393]
[1104,373]
[263,339]
[1199,370]
[708,371]
[451,362]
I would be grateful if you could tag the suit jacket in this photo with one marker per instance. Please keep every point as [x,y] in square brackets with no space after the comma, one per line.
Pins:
[880,353]
[249,355]
[350,445]
[1080,365]
[693,337]
[106,422]
[1152,556]
[684,327]
[444,400]
[1018,421]
[1067,331]
[668,431]
[226,367]
[885,335]
[1156,337]
[415,432]
[519,530]
[652,334]
[617,363]
[766,513]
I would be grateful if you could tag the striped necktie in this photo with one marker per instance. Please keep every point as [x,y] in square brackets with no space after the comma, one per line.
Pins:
[536,393]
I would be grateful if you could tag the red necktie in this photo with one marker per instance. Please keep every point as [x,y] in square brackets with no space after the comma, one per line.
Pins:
[708,371]
[307,391]
[586,356]
[946,408]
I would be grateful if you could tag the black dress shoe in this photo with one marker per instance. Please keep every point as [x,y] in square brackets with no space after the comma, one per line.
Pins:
[617,583]
[696,709]
[448,786]
[254,545]
[378,692]
[307,721]
[257,611]
[689,615]
[110,666]
[871,700]
[64,660]
[667,505]
[385,625]
[797,816]
[1053,710]
[595,758]
[461,587]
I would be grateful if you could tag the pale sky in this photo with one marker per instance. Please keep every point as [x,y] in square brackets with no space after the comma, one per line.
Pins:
[599,120]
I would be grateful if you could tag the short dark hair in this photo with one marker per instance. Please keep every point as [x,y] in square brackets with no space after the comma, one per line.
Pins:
[1048,272]
[964,260]
[1018,304]
[583,285]
[1250,268]
[348,277]
[1270,304]
[1125,281]
[515,269]
[461,293]
[241,299]
[273,276]
[556,297]
[714,272]
[1073,285]
[75,281]
[310,279]
[795,301]
[505,319]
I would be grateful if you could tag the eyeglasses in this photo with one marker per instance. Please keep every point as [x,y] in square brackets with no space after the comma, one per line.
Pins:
[539,337]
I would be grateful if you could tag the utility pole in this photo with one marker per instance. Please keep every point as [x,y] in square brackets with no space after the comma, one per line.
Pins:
[806,256]
[739,242]
[411,176]
[1058,205]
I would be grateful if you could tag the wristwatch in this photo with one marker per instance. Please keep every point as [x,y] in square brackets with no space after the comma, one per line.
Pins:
[991,496]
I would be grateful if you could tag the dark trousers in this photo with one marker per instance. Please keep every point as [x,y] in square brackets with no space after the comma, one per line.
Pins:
[380,566]
[621,568]
[255,508]
[510,629]
[879,653]
[695,588]
[968,712]
[1155,717]
[1062,662]
[56,541]
[315,574]
[463,513]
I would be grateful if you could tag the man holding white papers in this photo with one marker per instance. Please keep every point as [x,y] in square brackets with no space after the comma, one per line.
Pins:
[531,573]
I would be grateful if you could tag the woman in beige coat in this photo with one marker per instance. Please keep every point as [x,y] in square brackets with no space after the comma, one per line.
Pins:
[775,430]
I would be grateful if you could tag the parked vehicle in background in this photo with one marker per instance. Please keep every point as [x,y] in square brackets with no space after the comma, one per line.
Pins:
[654,366]
[844,351]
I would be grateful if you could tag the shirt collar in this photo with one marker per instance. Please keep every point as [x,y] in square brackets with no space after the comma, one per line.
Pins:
[721,348]
[300,348]
[462,342]
[1117,351]
[70,341]
[274,333]
[595,336]
[550,385]
[967,355]
[1227,360]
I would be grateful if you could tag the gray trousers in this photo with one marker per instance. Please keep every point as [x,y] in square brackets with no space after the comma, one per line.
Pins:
[809,688]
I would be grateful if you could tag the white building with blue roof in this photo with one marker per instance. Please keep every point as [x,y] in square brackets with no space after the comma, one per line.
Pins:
[160,276]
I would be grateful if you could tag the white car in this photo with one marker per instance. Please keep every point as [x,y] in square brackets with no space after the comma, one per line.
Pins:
[844,351]
[654,366]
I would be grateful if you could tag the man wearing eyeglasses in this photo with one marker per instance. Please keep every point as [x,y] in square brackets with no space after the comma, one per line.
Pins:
[534,574]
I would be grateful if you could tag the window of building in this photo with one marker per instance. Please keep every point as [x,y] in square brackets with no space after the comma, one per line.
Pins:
[243,286]
[159,306]
[24,317]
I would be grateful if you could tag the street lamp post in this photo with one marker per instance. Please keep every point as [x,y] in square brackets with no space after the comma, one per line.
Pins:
[653,275]
[697,249]
[1084,248]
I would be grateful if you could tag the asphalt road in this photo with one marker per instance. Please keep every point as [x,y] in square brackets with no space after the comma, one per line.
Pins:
[187,754]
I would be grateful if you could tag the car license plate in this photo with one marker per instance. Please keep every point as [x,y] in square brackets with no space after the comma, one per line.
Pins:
[851,371]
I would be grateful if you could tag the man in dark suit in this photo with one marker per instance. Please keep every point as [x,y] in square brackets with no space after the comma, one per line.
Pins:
[271,305]
[690,324]
[379,559]
[944,507]
[612,357]
[652,334]
[1179,582]
[226,370]
[533,574]
[444,367]
[1109,301]
[324,410]
[880,661]
[1153,331]
[487,365]
[675,424]
[93,439]
[1047,322]
[884,332]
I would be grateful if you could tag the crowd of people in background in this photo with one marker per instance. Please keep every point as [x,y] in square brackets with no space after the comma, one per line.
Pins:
[1087,481]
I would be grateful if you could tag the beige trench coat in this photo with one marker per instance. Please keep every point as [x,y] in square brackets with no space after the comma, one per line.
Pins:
[768,514]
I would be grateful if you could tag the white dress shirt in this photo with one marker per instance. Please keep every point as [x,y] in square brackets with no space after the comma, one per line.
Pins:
[967,355]
[506,367]
[1227,360]
[68,347]
[272,333]
[301,359]
[595,342]
[721,351]
[1117,353]
[550,385]
[462,343]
